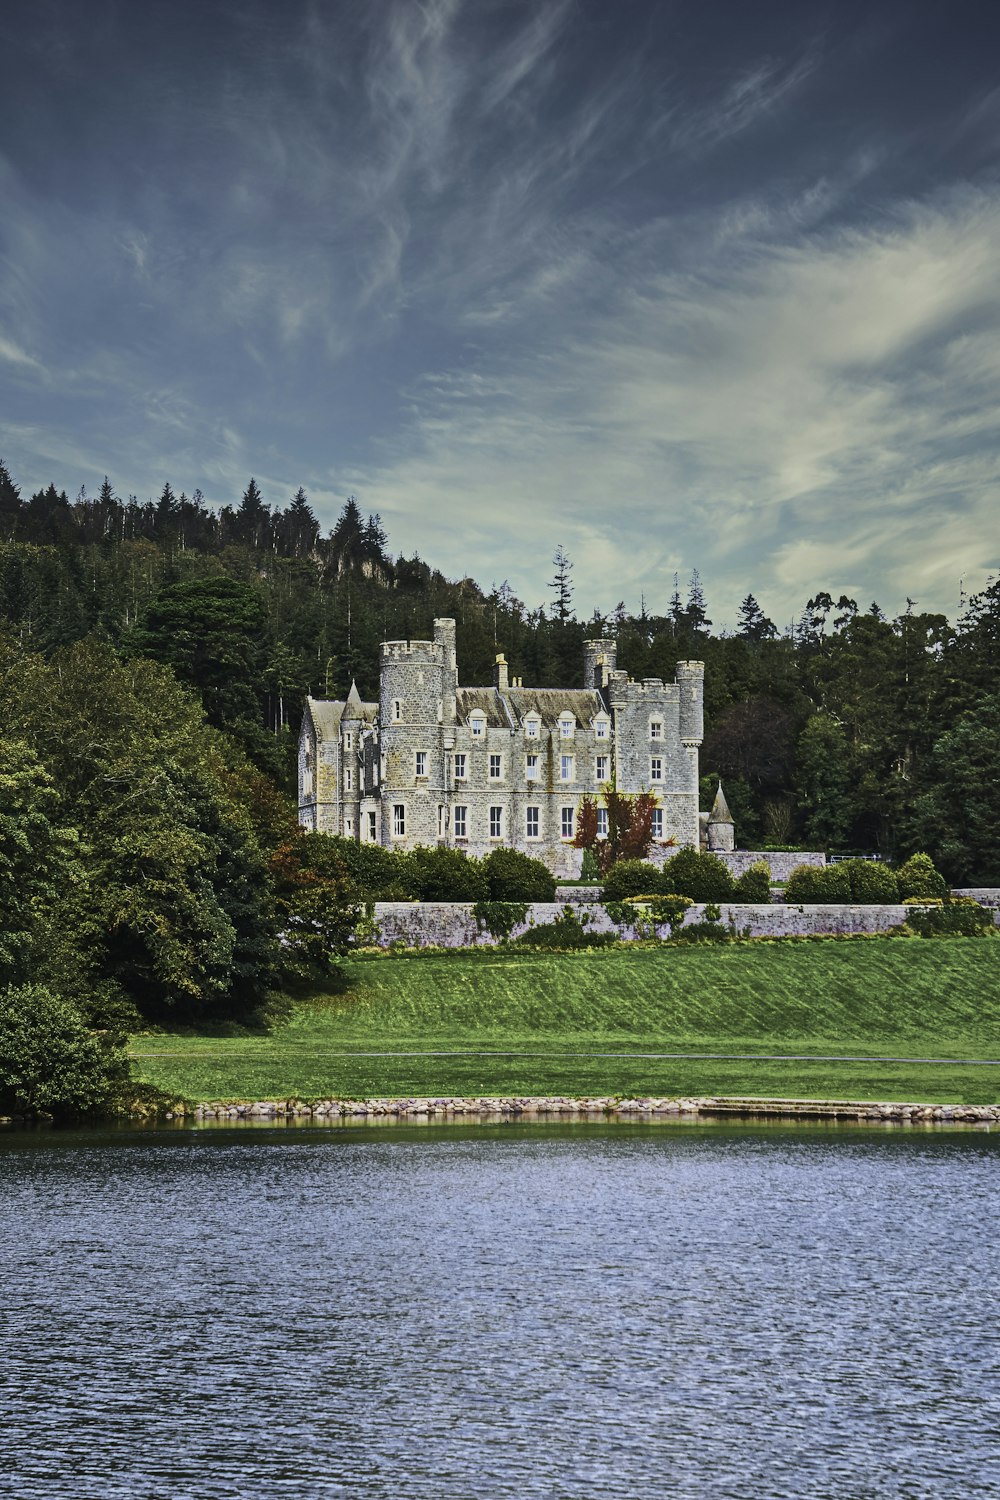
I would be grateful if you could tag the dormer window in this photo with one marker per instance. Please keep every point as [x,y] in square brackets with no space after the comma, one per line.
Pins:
[532,727]
[567,726]
[477,723]
[602,729]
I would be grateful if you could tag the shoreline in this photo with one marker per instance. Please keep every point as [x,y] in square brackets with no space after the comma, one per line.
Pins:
[548,1107]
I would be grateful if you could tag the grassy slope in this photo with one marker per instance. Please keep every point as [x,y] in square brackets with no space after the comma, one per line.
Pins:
[937,999]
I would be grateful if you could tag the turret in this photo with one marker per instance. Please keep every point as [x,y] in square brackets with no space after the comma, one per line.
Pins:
[690,678]
[600,658]
[721,829]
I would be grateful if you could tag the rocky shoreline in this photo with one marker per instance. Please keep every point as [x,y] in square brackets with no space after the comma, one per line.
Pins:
[554,1107]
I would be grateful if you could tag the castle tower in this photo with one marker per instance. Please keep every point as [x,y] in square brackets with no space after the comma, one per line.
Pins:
[600,659]
[416,699]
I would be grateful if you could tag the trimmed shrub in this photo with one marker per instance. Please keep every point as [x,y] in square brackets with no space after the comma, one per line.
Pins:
[702,877]
[754,885]
[632,877]
[51,1061]
[872,883]
[513,876]
[442,874]
[377,872]
[918,877]
[819,885]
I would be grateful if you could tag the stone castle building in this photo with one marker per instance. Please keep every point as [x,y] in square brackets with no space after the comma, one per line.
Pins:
[478,767]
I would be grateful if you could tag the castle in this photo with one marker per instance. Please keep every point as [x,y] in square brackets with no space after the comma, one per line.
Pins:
[478,767]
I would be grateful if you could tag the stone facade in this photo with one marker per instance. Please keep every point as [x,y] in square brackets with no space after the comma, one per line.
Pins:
[479,767]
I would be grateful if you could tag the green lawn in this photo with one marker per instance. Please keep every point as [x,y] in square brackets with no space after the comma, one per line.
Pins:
[864,997]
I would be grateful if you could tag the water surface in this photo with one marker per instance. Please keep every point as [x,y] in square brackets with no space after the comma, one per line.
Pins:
[553,1310]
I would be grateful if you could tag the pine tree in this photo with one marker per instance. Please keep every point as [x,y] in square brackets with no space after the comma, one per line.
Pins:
[561,608]
[753,623]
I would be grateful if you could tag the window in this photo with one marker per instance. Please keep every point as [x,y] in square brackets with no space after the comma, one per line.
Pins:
[567,725]
[420,757]
[495,768]
[496,822]
[656,768]
[371,828]
[442,820]
[347,778]
[602,769]
[566,767]
[531,823]
[601,729]
[348,741]
[566,822]
[478,725]
[658,823]
[398,820]
[397,709]
[461,822]
[460,767]
[531,767]
[348,825]
[602,822]
[656,729]
[531,726]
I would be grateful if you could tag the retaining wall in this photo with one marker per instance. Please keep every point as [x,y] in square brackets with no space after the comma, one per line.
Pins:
[452,924]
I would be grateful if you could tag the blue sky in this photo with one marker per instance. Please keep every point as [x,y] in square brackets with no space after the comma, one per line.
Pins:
[676,286]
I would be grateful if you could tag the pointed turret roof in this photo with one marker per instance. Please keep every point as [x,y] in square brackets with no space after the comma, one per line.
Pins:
[354,697]
[720,808]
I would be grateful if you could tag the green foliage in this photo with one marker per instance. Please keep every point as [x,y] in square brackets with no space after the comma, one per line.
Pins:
[443,874]
[316,904]
[958,814]
[701,876]
[753,887]
[961,917]
[567,931]
[378,873]
[819,885]
[824,781]
[631,877]
[918,877]
[513,876]
[51,1062]
[872,883]
[499,918]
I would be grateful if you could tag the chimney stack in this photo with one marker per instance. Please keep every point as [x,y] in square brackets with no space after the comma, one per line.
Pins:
[501,673]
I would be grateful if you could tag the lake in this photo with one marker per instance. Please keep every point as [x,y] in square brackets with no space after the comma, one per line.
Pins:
[500,1310]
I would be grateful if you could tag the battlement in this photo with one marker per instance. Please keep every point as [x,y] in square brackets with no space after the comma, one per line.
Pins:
[624,689]
[415,651]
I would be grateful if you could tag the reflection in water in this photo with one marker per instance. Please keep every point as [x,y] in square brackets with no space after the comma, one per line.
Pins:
[538,1311]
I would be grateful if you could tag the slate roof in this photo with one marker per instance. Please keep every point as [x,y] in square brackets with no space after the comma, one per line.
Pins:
[547,703]
[720,808]
[327,713]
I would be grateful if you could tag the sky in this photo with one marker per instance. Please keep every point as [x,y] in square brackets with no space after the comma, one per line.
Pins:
[674,286]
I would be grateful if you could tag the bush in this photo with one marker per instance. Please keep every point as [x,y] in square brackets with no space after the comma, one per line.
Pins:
[513,876]
[632,877]
[567,931]
[872,883]
[962,917]
[50,1060]
[442,874]
[918,877]
[376,872]
[819,885]
[499,918]
[703,877]
[754,885]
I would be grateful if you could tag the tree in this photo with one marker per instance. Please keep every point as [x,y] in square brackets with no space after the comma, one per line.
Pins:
[958,814]
[823,781]
[562,587]
[37,861]
[753,623]
[629,827]
[10,502]
[51,1061]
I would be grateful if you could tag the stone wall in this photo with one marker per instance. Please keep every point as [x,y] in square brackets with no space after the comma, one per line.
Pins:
[986,895]
[452,925]
[780,862]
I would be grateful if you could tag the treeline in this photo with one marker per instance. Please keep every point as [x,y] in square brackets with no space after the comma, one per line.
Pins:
[851,731]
